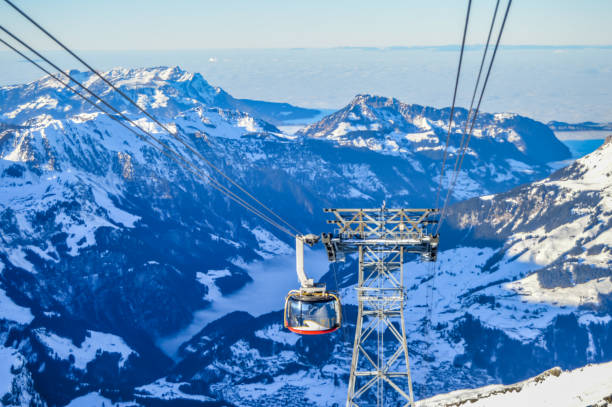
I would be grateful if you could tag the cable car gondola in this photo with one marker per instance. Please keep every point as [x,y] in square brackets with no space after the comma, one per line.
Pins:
[311,310]
[312,313]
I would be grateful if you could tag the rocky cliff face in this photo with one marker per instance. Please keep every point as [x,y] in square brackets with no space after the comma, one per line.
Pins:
[17,384]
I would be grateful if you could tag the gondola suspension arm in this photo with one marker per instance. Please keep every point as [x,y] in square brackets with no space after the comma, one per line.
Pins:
[306,283]
[311,310]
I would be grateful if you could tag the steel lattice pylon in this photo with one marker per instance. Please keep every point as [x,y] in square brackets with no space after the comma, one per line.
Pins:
[381,237]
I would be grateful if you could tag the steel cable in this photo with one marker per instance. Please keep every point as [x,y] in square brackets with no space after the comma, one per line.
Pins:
[452,111]
[131,101]
[484,56]
[186,164]
[467,120]
[429,289]
[474,117]
[463,146]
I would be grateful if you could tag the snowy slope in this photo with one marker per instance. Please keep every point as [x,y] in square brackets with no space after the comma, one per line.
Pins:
[95,343]
[94,226]
[107,246]
[559,228]
[527,289]
[586,386]
[505,149]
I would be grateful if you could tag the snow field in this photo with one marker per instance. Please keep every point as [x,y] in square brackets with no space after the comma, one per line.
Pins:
[94,345]
[587,386]
[12,312]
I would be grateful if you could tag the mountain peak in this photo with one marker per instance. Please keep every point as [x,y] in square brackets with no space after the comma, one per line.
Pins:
[150,74]
[383,123]
[374,101]
[370,99]
[166,90]
[591,172]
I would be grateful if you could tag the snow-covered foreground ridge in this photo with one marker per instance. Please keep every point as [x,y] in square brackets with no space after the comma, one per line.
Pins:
[590,385]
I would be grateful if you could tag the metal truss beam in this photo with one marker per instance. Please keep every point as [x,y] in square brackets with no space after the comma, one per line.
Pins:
[381,237]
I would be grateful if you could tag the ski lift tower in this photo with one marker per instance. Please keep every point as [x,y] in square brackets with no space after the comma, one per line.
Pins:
[382,238]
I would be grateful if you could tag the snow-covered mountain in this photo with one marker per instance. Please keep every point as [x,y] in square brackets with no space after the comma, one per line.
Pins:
[562,225]
[107,246]
[163,91]
[505,149]
[586,386]
[525,290]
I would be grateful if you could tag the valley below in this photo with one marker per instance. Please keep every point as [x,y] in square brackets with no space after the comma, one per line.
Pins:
[126,280]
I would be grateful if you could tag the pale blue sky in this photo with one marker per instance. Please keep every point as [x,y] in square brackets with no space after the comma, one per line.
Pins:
[193,24]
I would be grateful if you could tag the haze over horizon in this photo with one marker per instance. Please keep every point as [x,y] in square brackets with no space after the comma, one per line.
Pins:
[345,49]
[565,84]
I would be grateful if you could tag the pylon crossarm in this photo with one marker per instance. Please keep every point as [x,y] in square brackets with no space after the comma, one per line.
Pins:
[386,210]
[395,215]
[383,243]
[373,229]
[347,224]
[373,225]
[376,223]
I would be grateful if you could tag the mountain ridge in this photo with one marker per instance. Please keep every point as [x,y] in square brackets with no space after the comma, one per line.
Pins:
[381,117]
[152,89]
[100,234]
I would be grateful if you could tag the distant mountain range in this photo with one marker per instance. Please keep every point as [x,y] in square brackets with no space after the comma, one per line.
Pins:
[562,126]
[108,246]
